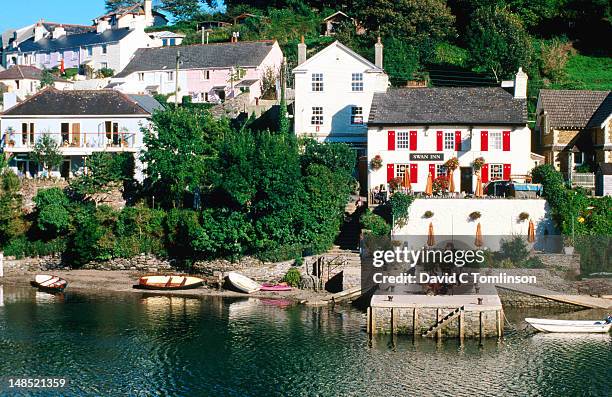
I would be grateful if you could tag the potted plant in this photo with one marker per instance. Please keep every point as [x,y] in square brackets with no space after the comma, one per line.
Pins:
[475,215]
[376,162]
[395,183]
[478,163]
[523,216]
[568,246]
[428,214]
[440,185]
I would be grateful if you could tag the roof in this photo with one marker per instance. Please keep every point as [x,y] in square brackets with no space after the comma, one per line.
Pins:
[166,34]
[576,108]
[246,83]
[604,168]
[52,102]
[26,32]
[72,41]
[136,9]
[336,44]
[147,102]
[337,14]
[22,72]
[200,56]
[448,106]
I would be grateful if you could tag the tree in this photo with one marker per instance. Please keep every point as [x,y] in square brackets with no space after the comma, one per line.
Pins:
[113,5]
[105,172]
[46,152]
[46,79]
[182,9]
[12,222]
[498,42]
[283,120]
[52,215]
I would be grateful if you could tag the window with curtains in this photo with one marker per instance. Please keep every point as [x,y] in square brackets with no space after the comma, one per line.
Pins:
[317,82]
[317,115]
[402,139]
[495,140]
[496,172]
[441,170]
[400,170]
[449,140]
[357,82]
[357,115]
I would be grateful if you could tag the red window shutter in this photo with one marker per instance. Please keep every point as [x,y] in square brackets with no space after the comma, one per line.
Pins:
[390,172]
[484,141]
[414,173]
[391,140]
[458,141]
[439,141]
[506,141]
[413,140]
[432,170]
[484,172]
[507,172]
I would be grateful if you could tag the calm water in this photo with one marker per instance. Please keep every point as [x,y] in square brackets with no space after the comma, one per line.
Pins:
[142,345]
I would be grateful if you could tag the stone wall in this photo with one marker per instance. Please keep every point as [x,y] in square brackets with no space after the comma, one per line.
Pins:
[561,262]
[517,299]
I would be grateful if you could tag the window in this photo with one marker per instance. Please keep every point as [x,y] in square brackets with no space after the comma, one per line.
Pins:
[27,134]
[402,139]
[170,76]
[317,116]
[172,41]
[65,129]
[578,158]
[441,170]
[204,96]
[357,82]
[112,133]
[317,82]
[449,140]
[104,49]
[495,140]
[496,172]
[89,51]
[141,76]
[164,42]
[60,55]
[400,170]
[104,65]
[205,74]
[357,115]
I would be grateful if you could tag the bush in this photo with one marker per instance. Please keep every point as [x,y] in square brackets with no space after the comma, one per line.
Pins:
[293,277]
[514,249]
[376,224]
[533,263]
[21,247]
[52,215]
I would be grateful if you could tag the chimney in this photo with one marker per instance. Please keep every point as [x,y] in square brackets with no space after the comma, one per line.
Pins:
[58,32]
[378,53]
[520,84]
[102,26]
[148,9]
[301,52]
[39,31]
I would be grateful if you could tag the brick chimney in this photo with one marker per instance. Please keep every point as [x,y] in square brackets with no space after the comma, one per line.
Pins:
[378,53]
[520,84]
[59,31]
[301,52]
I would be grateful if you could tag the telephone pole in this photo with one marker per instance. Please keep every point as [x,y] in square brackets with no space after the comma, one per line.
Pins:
[176,78]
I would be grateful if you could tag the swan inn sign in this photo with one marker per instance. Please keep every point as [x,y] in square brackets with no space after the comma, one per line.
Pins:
[426,156]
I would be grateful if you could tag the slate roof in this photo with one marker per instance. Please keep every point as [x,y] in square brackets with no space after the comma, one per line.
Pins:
[201,56]
[447,106]
[576,108]
[21,72]
[28,31]
[71,41]
[147,102]
[52,102]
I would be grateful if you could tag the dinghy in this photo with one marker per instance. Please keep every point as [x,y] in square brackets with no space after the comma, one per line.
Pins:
[49,283]
[570,326]
[243,283]
[276,287]
[169,282]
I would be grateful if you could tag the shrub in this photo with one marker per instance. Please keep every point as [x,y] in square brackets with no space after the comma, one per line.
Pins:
[293,277]
[523,216]
[428,214]
[475,215]
[514,249]
[375,223]
[533,263]
[52,215]
[400,205]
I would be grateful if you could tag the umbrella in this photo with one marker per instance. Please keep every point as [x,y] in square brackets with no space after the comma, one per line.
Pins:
[431,241]
[451,182]
[429,186]
[479,192]
[406,180]
[478,242]
[531,232]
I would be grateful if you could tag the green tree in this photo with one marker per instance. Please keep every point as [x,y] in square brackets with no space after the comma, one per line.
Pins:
[52,211]
[105,172]
[182,10]
[12,222]
[46,152]
[46,79]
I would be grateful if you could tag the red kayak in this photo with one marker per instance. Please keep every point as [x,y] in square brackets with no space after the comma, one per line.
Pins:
[275,287]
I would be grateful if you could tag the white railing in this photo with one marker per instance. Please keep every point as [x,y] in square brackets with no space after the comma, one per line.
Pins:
[583,179]
[94,140]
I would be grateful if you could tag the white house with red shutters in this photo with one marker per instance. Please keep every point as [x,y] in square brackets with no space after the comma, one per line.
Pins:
[419,129]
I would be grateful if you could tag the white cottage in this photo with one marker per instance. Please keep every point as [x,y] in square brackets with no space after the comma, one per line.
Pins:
[81,122]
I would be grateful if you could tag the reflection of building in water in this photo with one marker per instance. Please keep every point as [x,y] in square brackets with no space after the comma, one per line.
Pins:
[1,295]
[160,304]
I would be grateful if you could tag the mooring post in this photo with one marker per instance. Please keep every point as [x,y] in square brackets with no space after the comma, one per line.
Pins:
[481,326]
[415,319]
[500,324]
[439,330]
[369,320]
[372,321]
[461,325]
[394,320]
[1,264]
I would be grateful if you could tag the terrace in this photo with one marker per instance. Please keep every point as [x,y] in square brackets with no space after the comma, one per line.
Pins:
[72,142]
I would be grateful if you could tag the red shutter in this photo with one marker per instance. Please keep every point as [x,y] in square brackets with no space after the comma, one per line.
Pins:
[484,141]
[484,172]
[506,141]
[439,141]
[458,141]
[391,140]
[414,173]
[432,170]
[413,140]
[390,172]
[507,169]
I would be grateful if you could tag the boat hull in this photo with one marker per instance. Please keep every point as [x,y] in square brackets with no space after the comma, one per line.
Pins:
[275,288]
[567,326]
[243,283]
[49,283]
[169,283]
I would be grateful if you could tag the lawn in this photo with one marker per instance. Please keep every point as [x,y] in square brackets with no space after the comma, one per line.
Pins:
[588,73]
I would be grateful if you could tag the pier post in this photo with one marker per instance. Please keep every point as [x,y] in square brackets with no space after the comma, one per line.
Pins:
[439,330]
[369,320]
[394,319]
[461,325]
[372,321]
[500,325]
[481,326]
[415,320]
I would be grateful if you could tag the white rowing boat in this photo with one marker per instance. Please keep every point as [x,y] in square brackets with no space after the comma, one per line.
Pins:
[243,283]
[569,326]
[171,282]
[49,282]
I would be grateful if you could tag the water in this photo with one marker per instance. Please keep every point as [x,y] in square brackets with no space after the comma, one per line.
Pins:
[143,345]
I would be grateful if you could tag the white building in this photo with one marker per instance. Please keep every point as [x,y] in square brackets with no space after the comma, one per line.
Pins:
[419,129]
[81,122]
[24,81]
[333,93]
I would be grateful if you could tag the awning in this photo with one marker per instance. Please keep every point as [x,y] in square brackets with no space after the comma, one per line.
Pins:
[246,83]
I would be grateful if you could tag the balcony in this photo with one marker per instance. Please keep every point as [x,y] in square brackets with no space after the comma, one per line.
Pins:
[73,143]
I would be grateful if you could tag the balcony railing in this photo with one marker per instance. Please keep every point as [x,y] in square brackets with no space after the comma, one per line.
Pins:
[583,179]
[74,140]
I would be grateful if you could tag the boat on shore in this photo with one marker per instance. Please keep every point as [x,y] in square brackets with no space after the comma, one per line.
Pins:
[169,282]
[276,287]
[50,283]
[570,326]
[243,283]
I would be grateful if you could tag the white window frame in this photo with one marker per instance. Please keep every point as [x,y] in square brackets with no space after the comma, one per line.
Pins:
[357,115]
[582,158]
[496,172]
[317,82]
[170,76]
[317,115]
[357,82]
[495,140]
[400,170]
[449,140]
[402,139]
[441,170]
[141,76]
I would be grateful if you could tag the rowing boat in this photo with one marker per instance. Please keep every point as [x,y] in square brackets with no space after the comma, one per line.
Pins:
[49,283]
[569,326]
[169,282]
[243,283]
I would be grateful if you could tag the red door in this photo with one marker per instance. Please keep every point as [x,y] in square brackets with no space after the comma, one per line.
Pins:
[507,172]
[391,140]
[432,170]
[439,141]
[458,141]
[484,141]
[390,172]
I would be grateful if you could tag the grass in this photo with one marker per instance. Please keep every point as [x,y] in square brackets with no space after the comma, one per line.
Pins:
[587,73]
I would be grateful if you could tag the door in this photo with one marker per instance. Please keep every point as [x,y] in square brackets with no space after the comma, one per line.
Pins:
[65,170]
[363,175]
[65,134]
[466,179]
[76,134]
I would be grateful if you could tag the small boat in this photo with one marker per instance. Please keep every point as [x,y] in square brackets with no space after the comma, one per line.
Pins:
[169,282]
[570,326]
[276,287]
[243,283]
[49,283]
